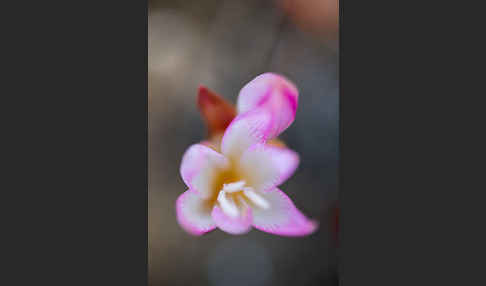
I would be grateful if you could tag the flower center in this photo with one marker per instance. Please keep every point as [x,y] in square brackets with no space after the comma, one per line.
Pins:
[235,196]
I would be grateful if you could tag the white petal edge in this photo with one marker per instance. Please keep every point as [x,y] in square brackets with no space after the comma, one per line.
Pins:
[282,217]
[193,215]
[199,166]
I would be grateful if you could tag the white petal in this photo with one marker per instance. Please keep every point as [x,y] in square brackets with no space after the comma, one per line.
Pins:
[193,215]
[199,166]
[259,169]
[266,167]
[244,131]
[234,225]
[282,218]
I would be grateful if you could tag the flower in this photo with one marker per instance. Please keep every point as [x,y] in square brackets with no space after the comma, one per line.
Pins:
[233,179]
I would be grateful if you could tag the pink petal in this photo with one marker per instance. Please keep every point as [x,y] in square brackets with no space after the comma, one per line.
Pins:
[199,165]
[266,167]
[273,93]
[238,225]
[244,131]
[193,215]
[282,218]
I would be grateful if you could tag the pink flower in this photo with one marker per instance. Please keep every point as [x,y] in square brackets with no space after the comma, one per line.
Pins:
[233,179]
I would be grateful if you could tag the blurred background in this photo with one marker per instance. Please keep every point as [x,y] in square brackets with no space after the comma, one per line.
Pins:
[224,45]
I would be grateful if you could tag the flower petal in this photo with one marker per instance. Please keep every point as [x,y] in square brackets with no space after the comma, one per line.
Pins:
[244,131]
[286,160]
[266,167]
[282,218]
[199,165]
[193,215]
[237,225]
[273,93]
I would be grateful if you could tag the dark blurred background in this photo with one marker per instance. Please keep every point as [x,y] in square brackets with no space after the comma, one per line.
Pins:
[223,45]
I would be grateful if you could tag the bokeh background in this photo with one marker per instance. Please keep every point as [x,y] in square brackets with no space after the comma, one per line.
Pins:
[223,45]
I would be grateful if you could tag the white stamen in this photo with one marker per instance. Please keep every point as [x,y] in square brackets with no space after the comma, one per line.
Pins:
[228,206]
[234,187]
[255,198]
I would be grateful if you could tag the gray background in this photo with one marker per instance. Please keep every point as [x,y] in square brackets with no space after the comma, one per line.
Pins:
[223,45]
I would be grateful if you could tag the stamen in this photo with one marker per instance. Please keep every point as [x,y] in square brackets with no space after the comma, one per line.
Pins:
[234,187]
[228,206]
[255,198]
